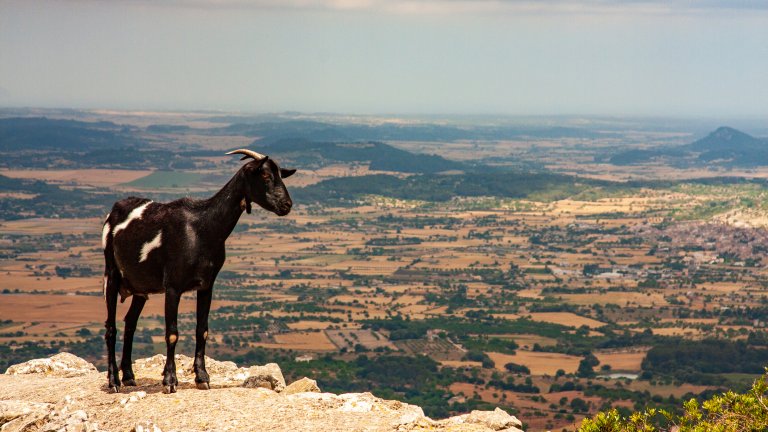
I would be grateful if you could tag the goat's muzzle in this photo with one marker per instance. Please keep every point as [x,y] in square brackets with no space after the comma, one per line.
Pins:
[284,209]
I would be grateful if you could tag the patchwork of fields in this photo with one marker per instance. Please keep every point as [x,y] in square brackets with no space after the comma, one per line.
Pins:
[551,307]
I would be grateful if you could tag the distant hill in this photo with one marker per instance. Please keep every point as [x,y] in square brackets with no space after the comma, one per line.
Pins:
[725,146]
[381,156]
[40,133]
[536,186]
[40,142]
[275,130]
[436,187]
[731,145]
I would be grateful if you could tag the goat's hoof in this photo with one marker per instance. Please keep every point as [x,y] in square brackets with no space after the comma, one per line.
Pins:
[169,389]
[203,386]
[114,389]
[129,382]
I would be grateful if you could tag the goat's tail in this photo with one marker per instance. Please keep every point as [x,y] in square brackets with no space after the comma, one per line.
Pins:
[111,272]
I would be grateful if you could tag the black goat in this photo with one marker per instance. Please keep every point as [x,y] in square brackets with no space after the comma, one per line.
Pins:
[152,248]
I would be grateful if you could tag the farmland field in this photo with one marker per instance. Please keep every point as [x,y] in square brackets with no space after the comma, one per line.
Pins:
[548,301]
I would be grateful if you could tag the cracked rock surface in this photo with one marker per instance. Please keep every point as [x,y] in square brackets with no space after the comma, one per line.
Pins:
[79,402]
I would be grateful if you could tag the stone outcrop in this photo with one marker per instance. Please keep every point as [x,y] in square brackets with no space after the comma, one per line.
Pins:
[60,365]
[303,385]
[498,420]
[24,416]
[268,376]
[74,398]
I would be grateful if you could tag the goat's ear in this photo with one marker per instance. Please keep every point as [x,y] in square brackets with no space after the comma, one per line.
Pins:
[285,173]
[254,165]
[261,162]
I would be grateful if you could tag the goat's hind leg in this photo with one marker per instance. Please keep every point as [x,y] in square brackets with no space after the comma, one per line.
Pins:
[110,296]
[172,298]
[131,318]
[201,335]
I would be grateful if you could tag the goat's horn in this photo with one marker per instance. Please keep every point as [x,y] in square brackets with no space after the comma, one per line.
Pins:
[247,153]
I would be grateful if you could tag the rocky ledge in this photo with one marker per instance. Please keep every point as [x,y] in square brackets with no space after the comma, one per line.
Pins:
[66,393]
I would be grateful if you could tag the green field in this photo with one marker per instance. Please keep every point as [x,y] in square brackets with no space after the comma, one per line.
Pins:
[166,179]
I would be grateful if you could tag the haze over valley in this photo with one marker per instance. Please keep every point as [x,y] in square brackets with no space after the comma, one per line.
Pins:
[550,270]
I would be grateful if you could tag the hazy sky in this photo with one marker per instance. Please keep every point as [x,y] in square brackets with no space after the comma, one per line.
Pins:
[670,57]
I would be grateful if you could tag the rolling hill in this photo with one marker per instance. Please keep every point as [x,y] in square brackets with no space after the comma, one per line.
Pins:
[437,187]
[275,129]
[725,146]
[40,133]
[382,157]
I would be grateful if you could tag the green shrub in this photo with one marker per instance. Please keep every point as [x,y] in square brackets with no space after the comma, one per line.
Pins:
[722,413]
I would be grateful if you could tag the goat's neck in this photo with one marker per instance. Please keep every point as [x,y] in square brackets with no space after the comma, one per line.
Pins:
[223,210]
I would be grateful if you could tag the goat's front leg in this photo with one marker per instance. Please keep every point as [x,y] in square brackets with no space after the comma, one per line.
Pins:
[172,298]
[201,334]
[131,318]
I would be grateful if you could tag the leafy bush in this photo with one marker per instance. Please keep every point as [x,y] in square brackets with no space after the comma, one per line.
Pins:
[722,413]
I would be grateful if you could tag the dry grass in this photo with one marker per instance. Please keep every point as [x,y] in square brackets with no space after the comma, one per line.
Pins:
[82,177]
[627,361]
[507,316]
[540,363]
[74,309]
[35,226]
[646,299]
[46,308]
[530,340]
[458,364]
[678,331]
[566,319]
[310,325]
[16,195]
[301,341]
[26,282]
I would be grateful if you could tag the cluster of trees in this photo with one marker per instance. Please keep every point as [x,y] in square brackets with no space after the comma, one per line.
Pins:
[702,362]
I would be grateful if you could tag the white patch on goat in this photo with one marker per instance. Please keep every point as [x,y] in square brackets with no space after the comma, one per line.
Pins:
[106,280]
[104,234]
[191,236]
[150,246]
[132,216]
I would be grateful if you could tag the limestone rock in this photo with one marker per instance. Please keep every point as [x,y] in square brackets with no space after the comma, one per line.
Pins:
[17,415]
[22,416]
[496,420]
[64,365]
[39,402]
[222,373]
[268,376]
[363,405]
[302,386]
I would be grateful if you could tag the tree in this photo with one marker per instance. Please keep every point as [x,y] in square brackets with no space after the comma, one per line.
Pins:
[516,368]
[586,366]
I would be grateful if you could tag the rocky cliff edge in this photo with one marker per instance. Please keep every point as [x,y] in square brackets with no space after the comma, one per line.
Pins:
[66,393]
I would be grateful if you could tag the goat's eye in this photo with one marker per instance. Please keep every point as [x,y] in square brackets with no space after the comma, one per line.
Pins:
[266,176]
